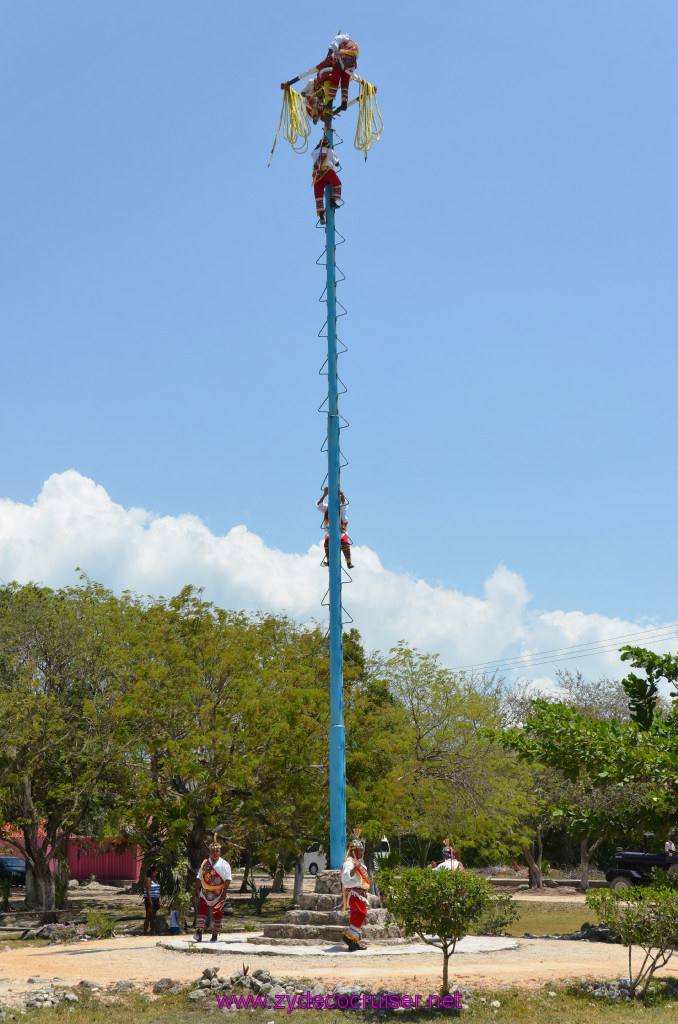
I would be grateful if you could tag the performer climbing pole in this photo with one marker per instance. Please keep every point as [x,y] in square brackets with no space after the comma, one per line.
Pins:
[334,74]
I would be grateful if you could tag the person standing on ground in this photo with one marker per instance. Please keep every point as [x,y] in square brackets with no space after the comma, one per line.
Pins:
[356,883]
[450,863]
[212,882]
[151,899]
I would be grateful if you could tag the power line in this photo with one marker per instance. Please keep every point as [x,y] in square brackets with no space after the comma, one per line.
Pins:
[606,645]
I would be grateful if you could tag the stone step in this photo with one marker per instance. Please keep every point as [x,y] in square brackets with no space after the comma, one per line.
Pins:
[314,917]
[328,901]
[326,932]
[271,941]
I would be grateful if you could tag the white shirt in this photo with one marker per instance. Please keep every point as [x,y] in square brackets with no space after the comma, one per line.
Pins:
[329,157]
[222,868]
[449,865]
[323,507]
[347,880]
[669,846]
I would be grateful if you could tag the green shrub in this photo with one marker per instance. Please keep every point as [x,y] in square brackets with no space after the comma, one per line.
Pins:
[497,917]
[440,903]
[647,917]
[259,896]
[99,926]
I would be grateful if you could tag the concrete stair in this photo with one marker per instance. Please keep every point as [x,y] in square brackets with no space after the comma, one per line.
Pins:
[316,923]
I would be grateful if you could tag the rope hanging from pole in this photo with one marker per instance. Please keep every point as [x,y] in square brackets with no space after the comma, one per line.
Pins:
[294,123]
[370,124]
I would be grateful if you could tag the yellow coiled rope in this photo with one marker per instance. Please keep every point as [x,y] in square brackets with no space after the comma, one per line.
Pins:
[370,123]
[294,122]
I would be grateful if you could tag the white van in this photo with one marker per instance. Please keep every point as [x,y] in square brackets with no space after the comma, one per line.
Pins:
[314,859]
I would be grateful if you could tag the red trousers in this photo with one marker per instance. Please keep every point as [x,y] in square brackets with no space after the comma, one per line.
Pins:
[357,908]
[339,78]
[345,545]
[203,910]
[329,177]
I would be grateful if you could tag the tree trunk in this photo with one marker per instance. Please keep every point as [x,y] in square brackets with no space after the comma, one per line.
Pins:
[196,848]
[586,854]
[423,851]
[36,858]
[279,875]
[445,990]
[298,878]
[584,860]
[533,855]
[32,891]
[248,868]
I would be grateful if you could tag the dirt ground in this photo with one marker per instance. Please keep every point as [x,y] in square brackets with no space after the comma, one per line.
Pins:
[533,963]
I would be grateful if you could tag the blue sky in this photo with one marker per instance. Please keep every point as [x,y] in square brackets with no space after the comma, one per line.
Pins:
[511,263]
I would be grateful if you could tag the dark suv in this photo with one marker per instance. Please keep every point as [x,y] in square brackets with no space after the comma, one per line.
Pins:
[14,869]
[633,867]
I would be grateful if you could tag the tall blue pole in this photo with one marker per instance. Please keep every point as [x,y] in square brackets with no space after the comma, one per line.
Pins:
[337,731]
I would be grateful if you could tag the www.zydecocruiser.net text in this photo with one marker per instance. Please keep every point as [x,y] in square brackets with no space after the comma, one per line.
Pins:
[364,1001]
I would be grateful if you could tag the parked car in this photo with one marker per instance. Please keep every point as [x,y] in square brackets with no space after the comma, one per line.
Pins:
[634,867]
[315,858]
[14,869]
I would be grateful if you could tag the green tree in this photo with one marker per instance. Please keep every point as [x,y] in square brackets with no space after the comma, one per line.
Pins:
[594,751]
[645,917]
[452,779]
[230,713]
[438,906]
[62,673]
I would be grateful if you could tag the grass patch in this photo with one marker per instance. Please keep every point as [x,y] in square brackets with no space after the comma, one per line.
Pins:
[549,918]
[518,1006]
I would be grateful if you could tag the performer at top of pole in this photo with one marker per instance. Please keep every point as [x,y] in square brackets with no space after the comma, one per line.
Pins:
[315,101]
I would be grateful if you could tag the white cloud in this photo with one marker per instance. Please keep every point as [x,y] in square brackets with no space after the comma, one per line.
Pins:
[74,522]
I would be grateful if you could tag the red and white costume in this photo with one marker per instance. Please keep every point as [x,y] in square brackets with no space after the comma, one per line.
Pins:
[450,863]
[313,100]
[341,61]
[324,162]
[323,507]
[355,888]
[214,878]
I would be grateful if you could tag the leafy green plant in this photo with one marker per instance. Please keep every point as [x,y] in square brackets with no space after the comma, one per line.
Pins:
[646,917]
[438,906]
[259,897]
[99,926]
[498,916]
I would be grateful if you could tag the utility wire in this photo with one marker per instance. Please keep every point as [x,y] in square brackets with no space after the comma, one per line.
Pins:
[603,646]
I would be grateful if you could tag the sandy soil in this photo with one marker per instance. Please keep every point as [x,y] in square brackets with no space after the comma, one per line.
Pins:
[533,963]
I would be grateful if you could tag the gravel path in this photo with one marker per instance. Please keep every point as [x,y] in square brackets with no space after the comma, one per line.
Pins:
[533,963]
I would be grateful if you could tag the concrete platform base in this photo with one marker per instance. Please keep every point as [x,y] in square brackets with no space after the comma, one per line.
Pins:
[237,943]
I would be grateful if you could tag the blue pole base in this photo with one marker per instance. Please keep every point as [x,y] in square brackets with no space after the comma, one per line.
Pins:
[337,795]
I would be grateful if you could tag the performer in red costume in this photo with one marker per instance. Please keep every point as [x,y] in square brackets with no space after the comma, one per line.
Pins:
[323,507]
[212,882]
[356,883]
[341,60]
[324,162]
